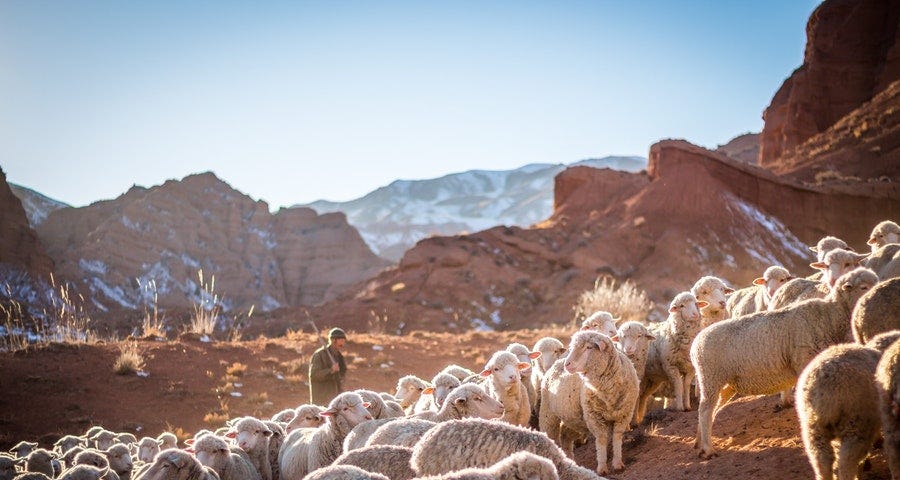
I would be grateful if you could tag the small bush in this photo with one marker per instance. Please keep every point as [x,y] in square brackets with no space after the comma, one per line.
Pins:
[129,360]
[236,369]
[623,300]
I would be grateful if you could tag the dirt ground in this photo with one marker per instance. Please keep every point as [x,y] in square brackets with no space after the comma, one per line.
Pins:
[187,384]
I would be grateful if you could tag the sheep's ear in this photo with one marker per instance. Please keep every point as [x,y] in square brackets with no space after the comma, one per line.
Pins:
[523,365]
[673,309]
[601,346]
[486,372]
[728,291]
[702,304]
[614,338]
[650,336]
[871,241]
[366,404]
[267,433]
[231,434]
[814,248]
[460,401]
[189,442]
[328,413]
[534,355]
[428,391]
[759,281]
[819,265]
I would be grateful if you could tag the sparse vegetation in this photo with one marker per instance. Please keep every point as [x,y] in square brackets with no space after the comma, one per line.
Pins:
[206,308]
[152,324]
[624,300]
[129,360]
[236,369]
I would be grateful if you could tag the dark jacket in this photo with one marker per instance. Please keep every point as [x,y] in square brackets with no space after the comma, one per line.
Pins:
[324,384]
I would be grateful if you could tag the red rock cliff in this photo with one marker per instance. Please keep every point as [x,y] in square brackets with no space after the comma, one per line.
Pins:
[23,261]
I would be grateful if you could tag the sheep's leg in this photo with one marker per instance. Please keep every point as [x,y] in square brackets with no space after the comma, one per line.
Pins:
[686,390]
[600,429]
[567,439]
[711,399]
[891,445]
[821,455]
[677,382]
[641,408]
[851,453]
[618,431]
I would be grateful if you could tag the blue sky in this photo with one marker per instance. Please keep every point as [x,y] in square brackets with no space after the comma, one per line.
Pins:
[290,102]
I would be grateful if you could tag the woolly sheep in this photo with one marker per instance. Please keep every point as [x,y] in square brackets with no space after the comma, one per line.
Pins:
[836,263]
[31,476]
[389,460]
[756,297]
[469,400]
[551,350]
[836,402]
[633,338]
[7,467]
[344,472]
[275,442]
[409,389]
[827,244]
[764,353]
[602,322]
[120,461]
[306,416]
[167,440]
[147,449]
[884,233]
[609,392]
[518,466]
[23,448]
[175,464]
[506,385]
[360,434]
[877,311]
[668,359]
[83,472]
[252,436]
[884,340]
[887,386]
[442,383]
[885,261]
[714,292]
[41,460]
[230,464]
[307,449]
[561,416]
[527,356]
[472,442]
[285,416]
[102,439]
[405,432]
[66,443]
[377,406]
[461,373]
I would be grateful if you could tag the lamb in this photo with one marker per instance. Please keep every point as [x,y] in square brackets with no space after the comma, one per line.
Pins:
[887,385]
[66,443]
[275,442]
[714,292]
[561,416]
[344,472]
[389,460]
[175,464]
[884,233]
[527,356]
[23,448]
[307,449]
[518,466]
[551,350]
[602,322]
[877,311]
[102,439]
[472,442]
[409,389]
[442,384]
[836,263]
[228,463]
[506,385]
[377,406]
[119,458]
[83,472]
[167,440]
[885,261]
[668,358]
[837,401]
[764,353]
[41,460]
[252,436]
[461,373]
[285,416]
[756,298]
[633,338]
[306,416]
[827,244]
[147,448]
[7,467]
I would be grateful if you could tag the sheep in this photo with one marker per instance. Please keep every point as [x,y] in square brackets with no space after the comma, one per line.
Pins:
[714,292]
[884,340]
[404,432]
[66,443]
[275,442]
[389,460]
[633,338]
[147,449]
[83,472]
[461,373]
[228,463]
[307,449]
[877,311]
[473,442]
[756,297]
[608,394]
[442,384]
[41,460]
[884,233]
[377,406]
[668,358]
[520,465]
[344,472]
[885,261]
[126,438]
[836,401]
[167,440]
[887,386]
[551,350]
[359,436]
[285,416]
[561,416]
[119,458]
[765,352]
[469,400]
[409,389]
[827,244]
[102,439]
[527,356]
[306,416]
[602,322]
[252,436]
[23,448]
[31,476]
[96,458]
[7,467]
[836,263]
[175,464]
[506,385]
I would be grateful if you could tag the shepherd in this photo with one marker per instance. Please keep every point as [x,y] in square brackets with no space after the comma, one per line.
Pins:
[327,369]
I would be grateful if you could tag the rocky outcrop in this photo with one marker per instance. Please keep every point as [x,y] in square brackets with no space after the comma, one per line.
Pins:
[852,54]
[113,249]
[744,148]
[37,206]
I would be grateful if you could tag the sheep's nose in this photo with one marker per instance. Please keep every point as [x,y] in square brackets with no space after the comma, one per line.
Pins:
[721,304]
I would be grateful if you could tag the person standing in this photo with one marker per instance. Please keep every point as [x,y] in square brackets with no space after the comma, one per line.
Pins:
[327,369]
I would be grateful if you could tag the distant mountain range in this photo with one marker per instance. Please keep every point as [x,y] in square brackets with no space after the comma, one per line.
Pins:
[393,218]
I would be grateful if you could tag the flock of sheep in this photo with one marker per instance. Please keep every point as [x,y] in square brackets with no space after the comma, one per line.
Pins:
[830,337]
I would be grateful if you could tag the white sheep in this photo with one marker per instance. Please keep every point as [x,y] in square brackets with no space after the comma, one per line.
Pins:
[561,416]
[66,443]
[887,385]
[359,436]
[252,436]
[885,261]
[285,416]
[41,460]
[527,356]
[468,400]
[518,466]
[459,444]
[391,461]
[307,449]
[433,396]
[836,263]
[714,292]
[551,350]
[343,472]
[837,403]
[409,389]
[608,394]
[756,297]
[601,321]
[461,373]
[120,461]
[229,463]
[306,416]
[506,385]
[167,440]
[377,406]
[147,448]
[877,311]
[102,439]
[23,448]
[83,472]
[668,359]
[275,441]
[175,464]
[827,244]
[764,353]
[405,432]
[884,233]
[633,339]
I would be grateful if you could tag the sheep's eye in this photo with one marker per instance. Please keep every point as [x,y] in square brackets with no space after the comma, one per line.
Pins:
[496,369]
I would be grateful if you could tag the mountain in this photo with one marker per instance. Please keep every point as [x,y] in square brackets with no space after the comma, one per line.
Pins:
[37,205]
[393,218]
[112,249]
[742,147]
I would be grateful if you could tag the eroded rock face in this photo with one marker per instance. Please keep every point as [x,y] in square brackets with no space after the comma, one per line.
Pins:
[25,267]
[744,148]
[851,55]
[168,233]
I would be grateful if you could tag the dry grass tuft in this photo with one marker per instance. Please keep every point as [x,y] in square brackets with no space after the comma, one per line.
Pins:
[236,369]
[624,300]
[130,360]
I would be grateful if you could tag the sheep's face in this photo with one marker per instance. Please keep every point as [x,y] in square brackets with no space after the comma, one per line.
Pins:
[586,349]
[213,456]
[444,383]
[602,322]
[524,355]
[408,392]
[172,464]
[284,416]
[827,244]
[67,443]
[685,310]
[104,440]
[147,449]
[884,233]
[773,279]
[633,339]
[837,263]
[503,368]
[855,284]
[349,406]
[251,435]
[22,449]
[119,459]
[474,401]
[305,418]
[712,291]
[551,351]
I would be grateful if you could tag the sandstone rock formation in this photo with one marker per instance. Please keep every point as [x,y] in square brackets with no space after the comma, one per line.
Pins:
[37,205]
[112,249]
[742,147]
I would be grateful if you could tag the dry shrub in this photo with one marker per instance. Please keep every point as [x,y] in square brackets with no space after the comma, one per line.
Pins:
[129,360]
[623,300]
[236,369]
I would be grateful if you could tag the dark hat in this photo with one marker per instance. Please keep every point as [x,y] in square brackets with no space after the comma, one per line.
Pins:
[337,333]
